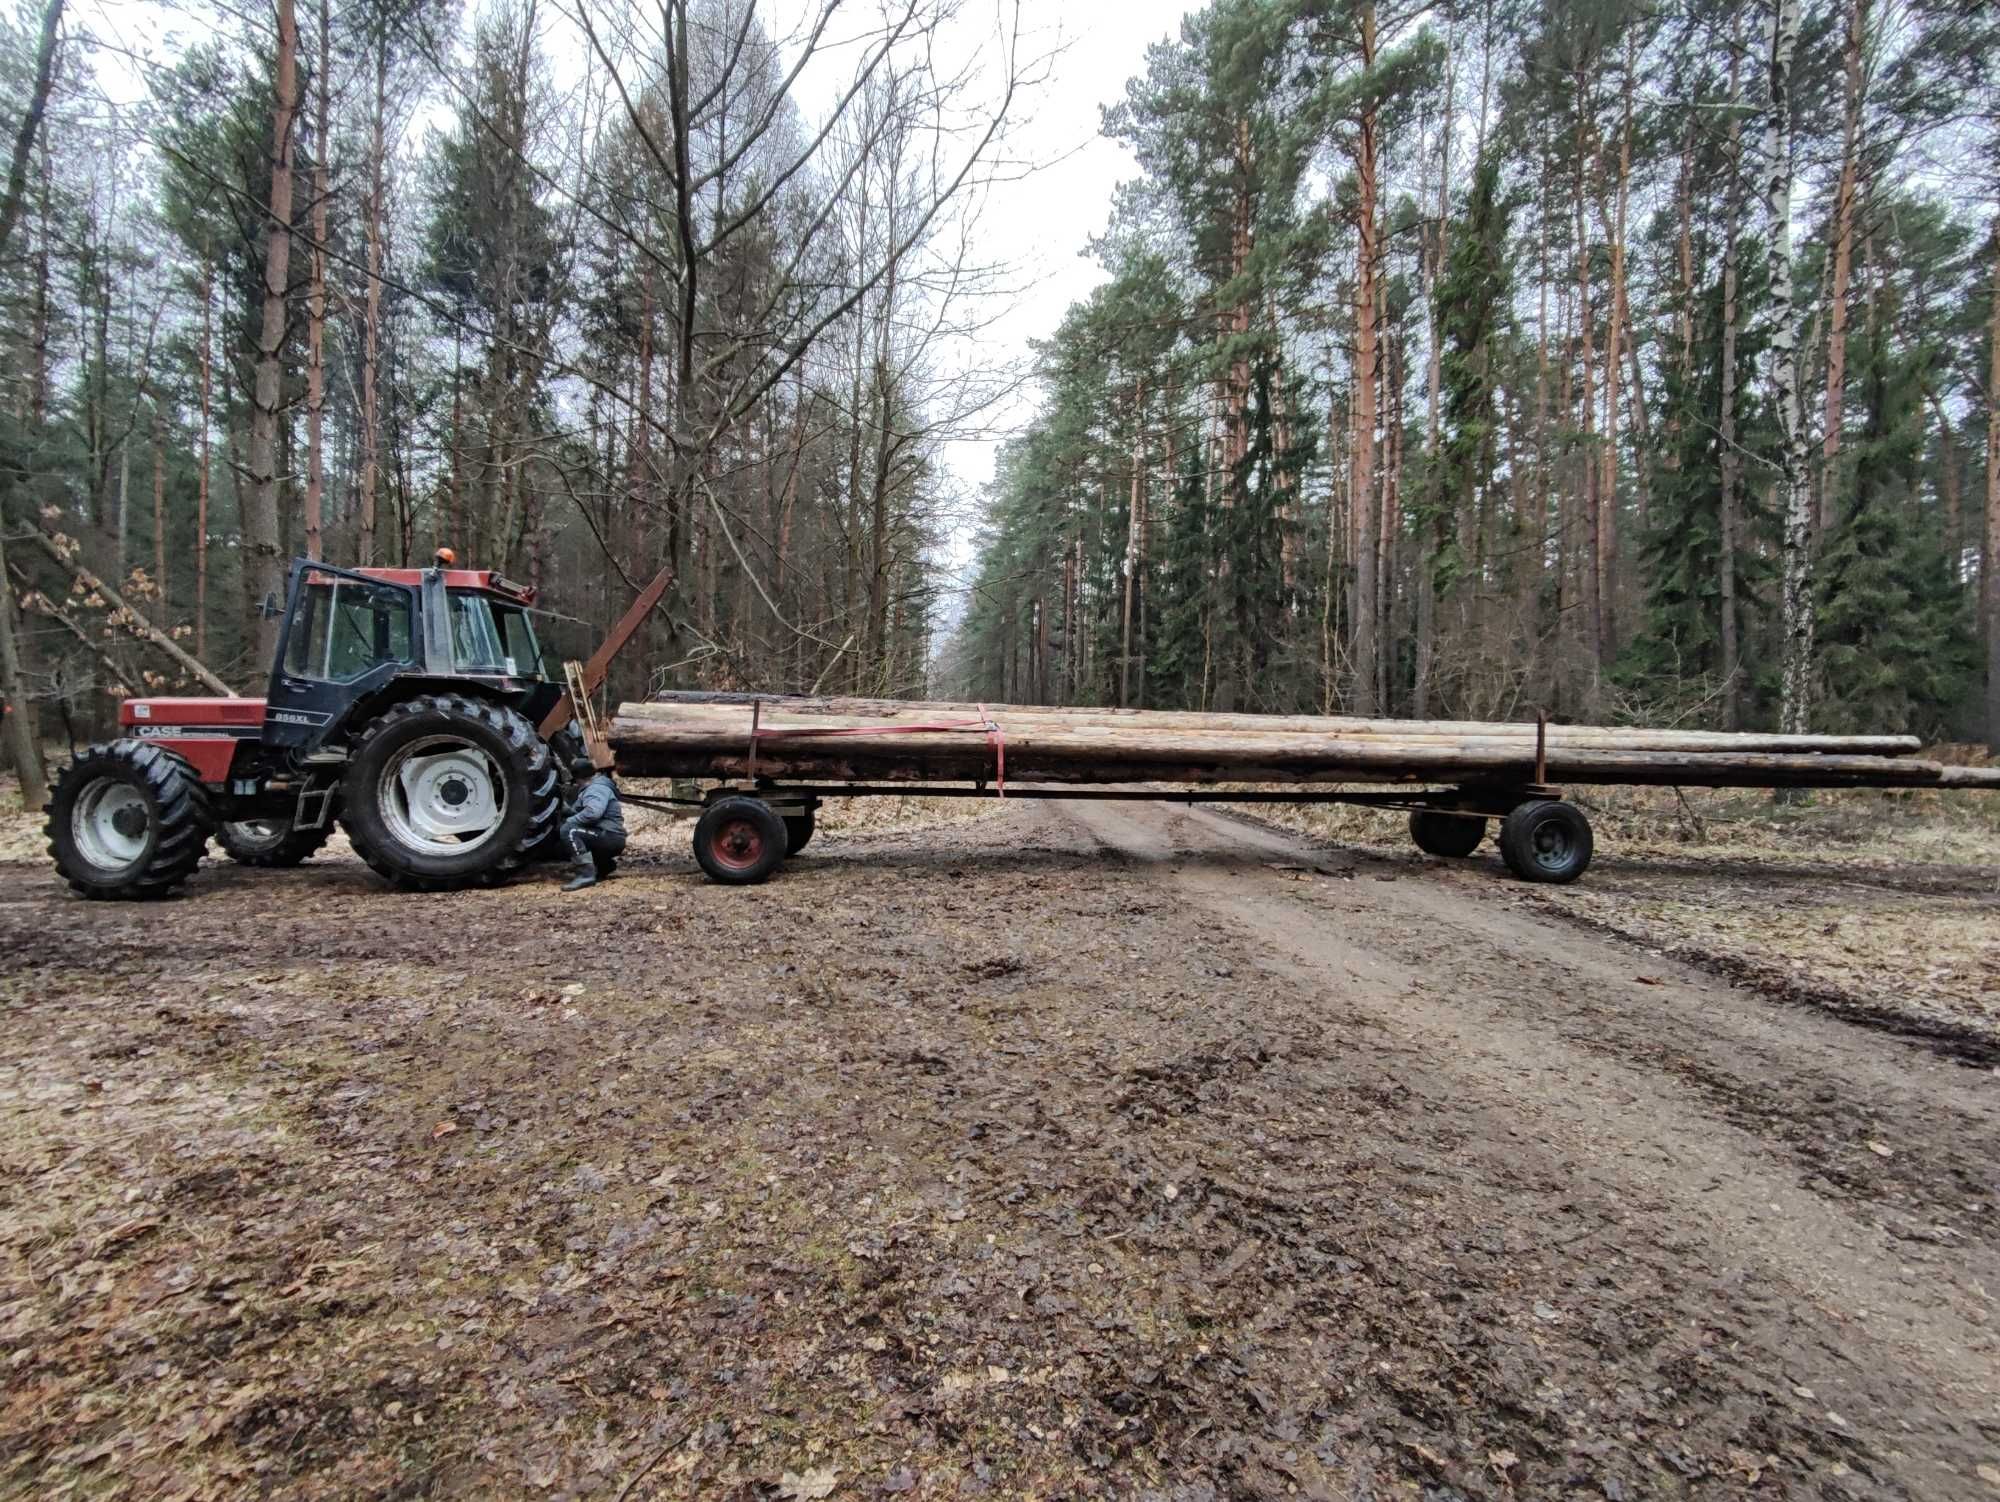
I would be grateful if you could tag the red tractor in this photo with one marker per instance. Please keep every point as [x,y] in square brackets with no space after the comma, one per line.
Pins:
[412,706]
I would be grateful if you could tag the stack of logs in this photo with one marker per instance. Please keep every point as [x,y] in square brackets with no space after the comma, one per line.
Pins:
[709,735]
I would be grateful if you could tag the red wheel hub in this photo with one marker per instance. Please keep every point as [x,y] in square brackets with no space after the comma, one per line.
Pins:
[739,844]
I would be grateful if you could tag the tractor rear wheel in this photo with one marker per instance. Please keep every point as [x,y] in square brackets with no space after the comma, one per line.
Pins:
[127,821]
[270,843]
[565,746]
[447,791]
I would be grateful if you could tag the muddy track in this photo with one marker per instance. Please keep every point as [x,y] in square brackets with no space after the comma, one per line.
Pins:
[1073,1151]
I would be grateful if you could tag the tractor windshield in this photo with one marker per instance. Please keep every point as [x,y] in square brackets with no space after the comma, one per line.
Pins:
[494,636]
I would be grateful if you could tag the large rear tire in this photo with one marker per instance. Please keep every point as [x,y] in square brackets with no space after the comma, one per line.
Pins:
[447,791]
[270,843]
[128,821]
[565,746]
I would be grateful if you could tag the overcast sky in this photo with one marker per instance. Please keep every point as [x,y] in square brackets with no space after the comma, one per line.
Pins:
[1042,224]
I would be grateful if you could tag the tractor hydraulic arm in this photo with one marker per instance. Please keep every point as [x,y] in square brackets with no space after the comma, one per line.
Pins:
[600,660]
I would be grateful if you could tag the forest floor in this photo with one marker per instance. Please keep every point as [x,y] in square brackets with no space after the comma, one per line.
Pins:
[1058,1150]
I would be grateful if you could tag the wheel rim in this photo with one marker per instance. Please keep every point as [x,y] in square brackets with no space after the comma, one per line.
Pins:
[1553,845]
[442,795]
[112,824]
[738,844]
[256,833]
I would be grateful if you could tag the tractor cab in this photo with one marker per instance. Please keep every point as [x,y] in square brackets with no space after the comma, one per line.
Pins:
[350,633]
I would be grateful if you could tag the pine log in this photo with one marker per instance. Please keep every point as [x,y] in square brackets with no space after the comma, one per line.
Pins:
[714,708]
[650,748]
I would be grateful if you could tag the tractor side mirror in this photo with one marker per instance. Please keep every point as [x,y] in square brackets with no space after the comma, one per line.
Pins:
[269,608]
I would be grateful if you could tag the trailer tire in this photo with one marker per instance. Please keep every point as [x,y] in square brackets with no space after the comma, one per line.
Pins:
[1439,833]
[490,750]
[739,841]
[798,832]
[128,821]
[267,844]
[1546,839]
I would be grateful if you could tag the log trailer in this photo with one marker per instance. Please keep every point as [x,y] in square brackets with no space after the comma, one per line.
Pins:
[415,709]
[778,757]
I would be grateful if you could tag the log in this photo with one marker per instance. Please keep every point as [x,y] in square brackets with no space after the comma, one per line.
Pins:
[722,709]
[649,747]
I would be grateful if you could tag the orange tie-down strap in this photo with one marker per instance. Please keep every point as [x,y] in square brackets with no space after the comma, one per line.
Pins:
[995,737]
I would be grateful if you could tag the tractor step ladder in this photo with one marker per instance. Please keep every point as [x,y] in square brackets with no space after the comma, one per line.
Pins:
[576,680]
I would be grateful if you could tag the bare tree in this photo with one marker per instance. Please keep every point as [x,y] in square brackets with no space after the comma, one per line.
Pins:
[20,736]
[1796,709]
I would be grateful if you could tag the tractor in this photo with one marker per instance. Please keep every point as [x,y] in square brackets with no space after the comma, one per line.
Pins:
[413,707]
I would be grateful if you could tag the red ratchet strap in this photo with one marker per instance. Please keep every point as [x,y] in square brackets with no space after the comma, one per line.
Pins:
[995,737]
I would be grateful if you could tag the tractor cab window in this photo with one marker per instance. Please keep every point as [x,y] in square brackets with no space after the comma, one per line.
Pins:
[344,628]
[493,636]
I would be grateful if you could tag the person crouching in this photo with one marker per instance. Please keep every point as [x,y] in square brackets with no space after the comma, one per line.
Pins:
[595,828]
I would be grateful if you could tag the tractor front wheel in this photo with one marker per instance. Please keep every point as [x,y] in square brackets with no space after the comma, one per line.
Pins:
[447,791]
[270,843]
[127,821]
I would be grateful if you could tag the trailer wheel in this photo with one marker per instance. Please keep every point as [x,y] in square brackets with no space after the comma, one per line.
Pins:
[1546,840]
[270,843]
[798,832]
[1439,833]
[127,821]
[739,840]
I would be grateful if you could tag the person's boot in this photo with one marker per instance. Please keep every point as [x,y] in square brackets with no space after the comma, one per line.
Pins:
[583,873]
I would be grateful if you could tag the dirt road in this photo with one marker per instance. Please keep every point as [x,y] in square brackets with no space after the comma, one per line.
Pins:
[1076,1150]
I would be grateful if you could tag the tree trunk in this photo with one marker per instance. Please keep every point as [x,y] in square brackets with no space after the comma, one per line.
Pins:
[371,330]
[23,746]
[1134,525]
[1794,493]
[201,479]
[1361,486]
[1731,465]
[316,298]
[1591,568]
[159,517]
[1843,261]
[264,565]
[1990,555]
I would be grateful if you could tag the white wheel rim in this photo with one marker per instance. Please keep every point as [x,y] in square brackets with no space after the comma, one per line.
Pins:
[442,796]
[112,824]
[255,831]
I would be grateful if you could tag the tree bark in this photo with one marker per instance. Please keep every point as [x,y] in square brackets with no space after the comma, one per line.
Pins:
[1990,556]
[23,747]
[316,298]
[1843,261]
[1731,466]
[1361,486]
[264,565]
[201,479]
[371,329]
[1796,497]
[1134,527]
